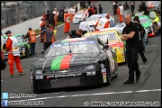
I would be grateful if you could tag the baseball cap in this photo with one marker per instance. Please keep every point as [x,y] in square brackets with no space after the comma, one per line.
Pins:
[7,32]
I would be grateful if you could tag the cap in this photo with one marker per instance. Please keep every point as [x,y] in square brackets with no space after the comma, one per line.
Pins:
[7,32]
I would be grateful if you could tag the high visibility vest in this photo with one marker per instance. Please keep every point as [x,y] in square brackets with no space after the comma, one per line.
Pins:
[32,35]
[66,15]
[15,48]
[101,24]
[121,10]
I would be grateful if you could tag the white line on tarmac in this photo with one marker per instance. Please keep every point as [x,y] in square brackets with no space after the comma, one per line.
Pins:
[92,94]
[142,66]
[152,45]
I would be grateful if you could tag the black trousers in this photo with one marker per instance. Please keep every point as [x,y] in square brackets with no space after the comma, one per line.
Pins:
[141,51]
[46,45]
[132,61]
[32,48]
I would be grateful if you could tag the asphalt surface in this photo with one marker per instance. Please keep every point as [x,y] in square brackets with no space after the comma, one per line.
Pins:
[145,93]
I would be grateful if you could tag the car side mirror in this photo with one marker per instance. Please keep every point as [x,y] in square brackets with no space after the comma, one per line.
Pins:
[107,41]
[105,47]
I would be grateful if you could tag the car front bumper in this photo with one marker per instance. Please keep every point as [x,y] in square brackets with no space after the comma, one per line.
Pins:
[63,82]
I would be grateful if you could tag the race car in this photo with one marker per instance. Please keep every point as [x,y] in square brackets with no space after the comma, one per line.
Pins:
[119,27]
[23,45]
[92,20]
[72,63]
[113,40]
[147,24]
[78,17]
[153,4]
[152,15]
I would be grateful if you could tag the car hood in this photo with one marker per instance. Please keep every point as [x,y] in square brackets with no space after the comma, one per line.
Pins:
[92,22]
[64,62]
[148,24]
[77,16]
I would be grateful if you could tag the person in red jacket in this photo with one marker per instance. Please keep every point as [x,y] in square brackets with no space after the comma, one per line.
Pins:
[13,54]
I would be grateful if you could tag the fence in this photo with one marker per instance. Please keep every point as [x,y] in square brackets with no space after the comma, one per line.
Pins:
[15,12]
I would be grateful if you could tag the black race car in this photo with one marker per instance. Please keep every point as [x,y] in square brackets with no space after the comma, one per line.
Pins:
[74,62]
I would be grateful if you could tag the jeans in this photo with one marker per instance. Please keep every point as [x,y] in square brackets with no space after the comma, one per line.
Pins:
[125,12]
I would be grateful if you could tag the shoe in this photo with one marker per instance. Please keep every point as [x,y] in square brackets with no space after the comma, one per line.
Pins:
[128,82]
[137,79]
[21,73]
[12,75]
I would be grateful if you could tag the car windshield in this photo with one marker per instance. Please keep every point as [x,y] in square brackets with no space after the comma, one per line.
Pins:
[151,14]
[79,12]
[93,19]
[79,47]
[20,39]
[143,20]
[111,36]
[139,13]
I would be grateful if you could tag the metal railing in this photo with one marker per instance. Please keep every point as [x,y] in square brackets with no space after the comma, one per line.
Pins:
[14,12]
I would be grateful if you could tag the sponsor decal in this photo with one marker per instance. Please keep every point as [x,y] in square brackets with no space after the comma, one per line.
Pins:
[61,62]
[104,75]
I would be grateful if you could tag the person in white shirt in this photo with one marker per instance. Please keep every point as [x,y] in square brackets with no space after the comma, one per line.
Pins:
[84,26]
[72,10]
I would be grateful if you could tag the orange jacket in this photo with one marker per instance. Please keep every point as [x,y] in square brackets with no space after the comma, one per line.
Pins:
[66,15]
[9,45]
[32,36]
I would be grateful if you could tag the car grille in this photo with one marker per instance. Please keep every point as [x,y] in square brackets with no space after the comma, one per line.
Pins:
[75,70]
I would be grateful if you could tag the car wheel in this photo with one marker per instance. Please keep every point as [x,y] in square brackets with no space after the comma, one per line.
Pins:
[108,75]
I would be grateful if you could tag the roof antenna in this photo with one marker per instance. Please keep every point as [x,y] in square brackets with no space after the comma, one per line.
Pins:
[69,48]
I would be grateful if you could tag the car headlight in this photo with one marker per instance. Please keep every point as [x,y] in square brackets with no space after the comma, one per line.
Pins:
[92,73]
[38,76]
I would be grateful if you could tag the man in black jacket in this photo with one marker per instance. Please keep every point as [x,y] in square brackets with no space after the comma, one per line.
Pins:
[141,36]
[130,34]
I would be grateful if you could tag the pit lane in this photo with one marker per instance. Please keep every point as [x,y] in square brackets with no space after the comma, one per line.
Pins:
[147,90]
